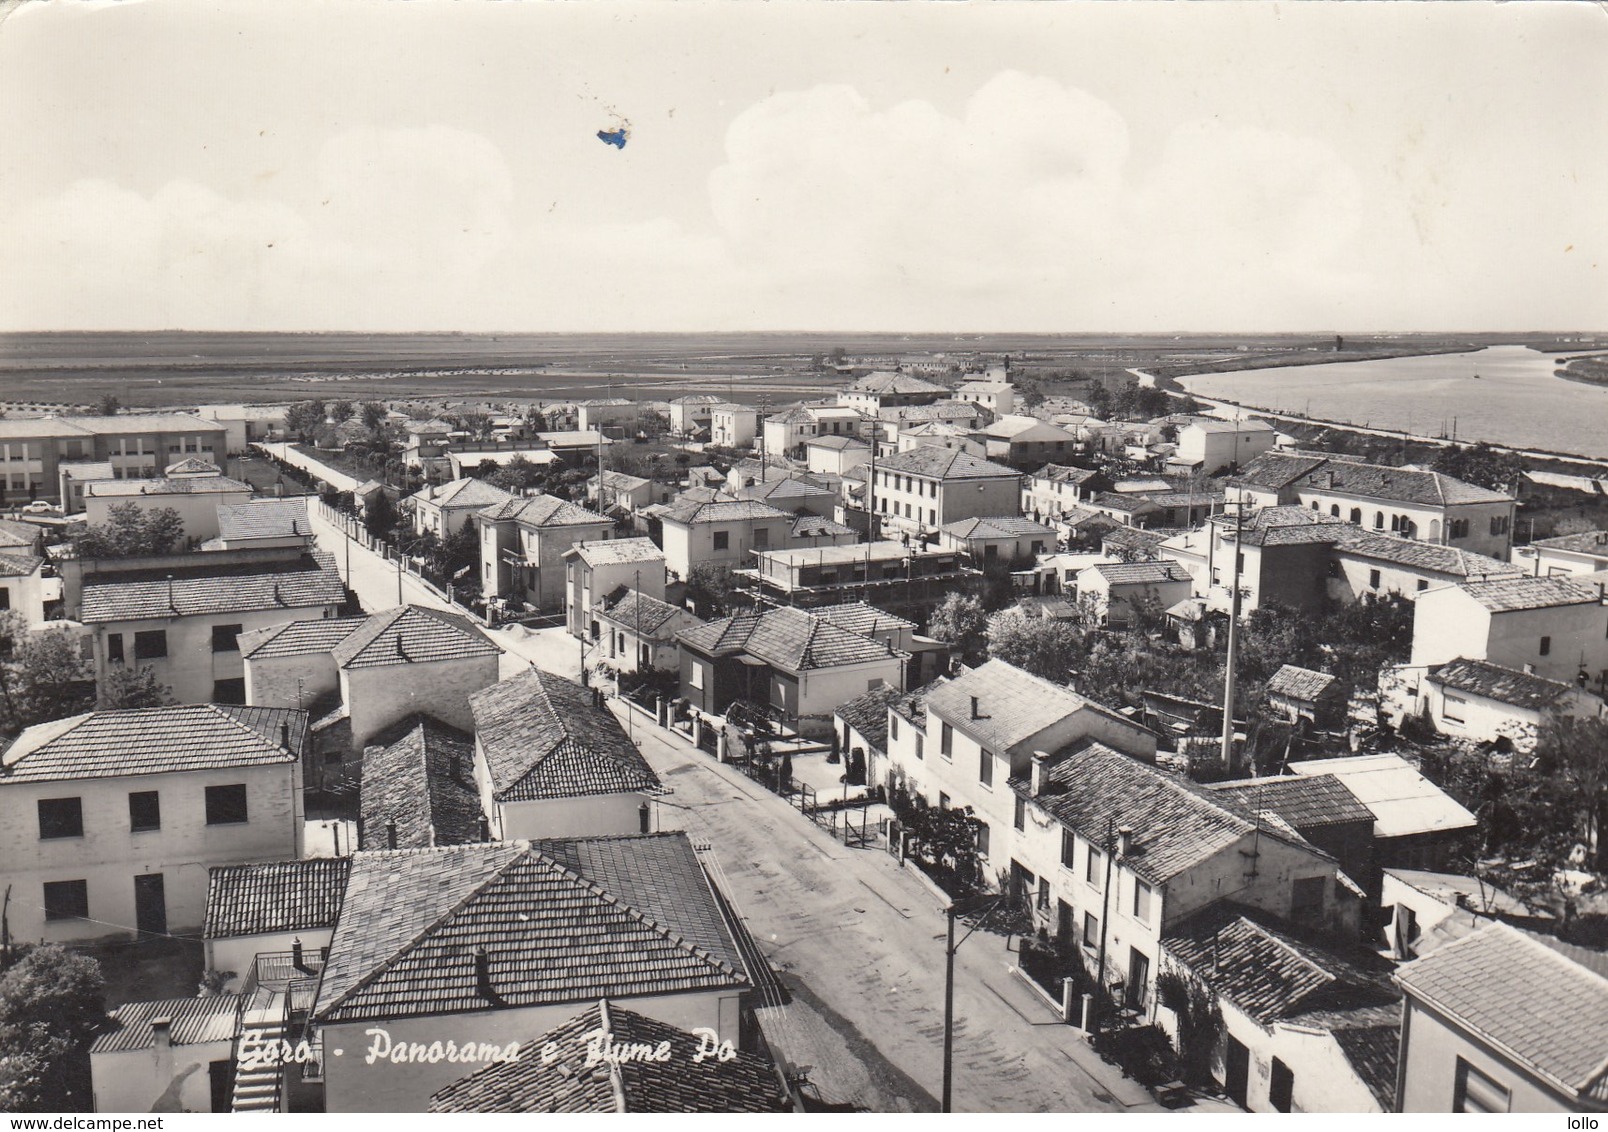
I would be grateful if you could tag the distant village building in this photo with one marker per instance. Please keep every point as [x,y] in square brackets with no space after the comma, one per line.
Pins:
[925,488]
[522,547]
[692,413]
[445,509]
[877,391]
[721,532]
[1300,693]
[998,397]
[195,492]
[135,445]
[1585,552]
[733,426]
[1553,627]
[1210,446]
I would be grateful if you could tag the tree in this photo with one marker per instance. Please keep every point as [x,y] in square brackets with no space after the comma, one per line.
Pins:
[945,839]
[1575,751]
[107,406]
[961,622]
[1046,648]
[381,516]
[339,410]
[1479,464]
[712,588]
[373,417]
[476,422]
[131,531]
[304,418]
[130,687]
[517,475]
[51,1005]
[45,675]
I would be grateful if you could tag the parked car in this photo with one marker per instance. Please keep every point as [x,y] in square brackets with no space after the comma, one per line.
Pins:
[40,507]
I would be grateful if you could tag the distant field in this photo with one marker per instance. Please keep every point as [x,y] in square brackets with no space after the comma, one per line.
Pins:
[173,368]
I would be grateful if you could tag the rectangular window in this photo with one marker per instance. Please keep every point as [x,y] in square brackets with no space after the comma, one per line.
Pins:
[982,839]
[985,768]
[60,817]
[695,675]
[1422,585]
[1091,866]
[114,648]
[921,745]
[1069,849]
[5,599]
[144,811]
[226,805]
[946,741]
[1306,899]
[150,645]
[1042,901]
[1091,930]
[893,726]
[1019,820]
[1373,579]
[1476,1092]
[1142,895]
[66,899]
[761,538]
[1546,645]
[1280,1086]
[229,691]
[225,638]
[1452,708]
[722,540]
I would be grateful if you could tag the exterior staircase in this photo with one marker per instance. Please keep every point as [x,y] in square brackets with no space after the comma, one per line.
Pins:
[261,1088]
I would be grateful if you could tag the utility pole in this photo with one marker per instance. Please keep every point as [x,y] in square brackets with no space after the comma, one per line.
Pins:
[1105,918]
[950,947]
[1233,638]
[399,574]
[636,593]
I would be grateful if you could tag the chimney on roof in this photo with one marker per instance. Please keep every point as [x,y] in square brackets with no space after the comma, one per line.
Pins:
[296,954]
[483,974]
[484,828]
[1041,760]
[284,736]
[1124,840]
[161,1034]
[1331,478]
[976,708]
[400,651]
[390,833]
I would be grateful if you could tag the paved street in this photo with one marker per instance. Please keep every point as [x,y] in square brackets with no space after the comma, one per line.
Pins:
[375,582]
[859,942]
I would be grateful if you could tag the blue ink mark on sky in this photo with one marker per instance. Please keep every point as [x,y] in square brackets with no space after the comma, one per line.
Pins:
[616,138]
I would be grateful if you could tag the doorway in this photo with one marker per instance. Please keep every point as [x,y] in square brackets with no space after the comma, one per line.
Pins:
[150,904]
[1236,1072]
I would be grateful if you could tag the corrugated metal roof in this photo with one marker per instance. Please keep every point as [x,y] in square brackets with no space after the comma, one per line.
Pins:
[192,1022]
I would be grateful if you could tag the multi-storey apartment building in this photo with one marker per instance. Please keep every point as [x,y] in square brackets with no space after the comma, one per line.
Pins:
[926,488]
[135,445]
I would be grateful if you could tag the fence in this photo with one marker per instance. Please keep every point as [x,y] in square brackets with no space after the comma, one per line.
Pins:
[353,528]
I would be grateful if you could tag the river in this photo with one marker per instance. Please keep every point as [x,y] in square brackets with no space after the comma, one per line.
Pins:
[1502,394]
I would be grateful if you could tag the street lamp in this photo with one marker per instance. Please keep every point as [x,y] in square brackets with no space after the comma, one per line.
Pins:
[949,988]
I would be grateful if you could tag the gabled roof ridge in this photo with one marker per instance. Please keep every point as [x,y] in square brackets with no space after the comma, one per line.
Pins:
[523,850]
[639,915]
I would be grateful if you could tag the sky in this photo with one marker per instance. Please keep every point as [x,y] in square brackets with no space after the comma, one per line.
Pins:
[803,165]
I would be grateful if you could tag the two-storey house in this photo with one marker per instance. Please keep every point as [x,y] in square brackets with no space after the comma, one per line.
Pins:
[876,391]
[722,532]
[733,426]
[110,820]
[522,545]
[597,570]
[1412,502]
[182,615]
[444,509]
[926,488]
[1553,627]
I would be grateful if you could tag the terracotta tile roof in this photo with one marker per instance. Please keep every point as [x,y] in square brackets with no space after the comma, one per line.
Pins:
[408,779]
[1140,573]
[263,518]
[1532,1001]
[309,582]
[574,1083]
[885,382]
[1370,1038]
[640,612]
[466,491]
[1065,473]
[193,1022]
[615,551]
[414,920]
[298,638]
[1449,560]
[1274,470]
[18,565]
[1505,685]
[836,443]
[160,740]
[280,896]
[868,714]
[22,536]
[937,411]
[945,464]
[1350,476]
[784,493]
[542,738]
[866,620]
[1014,705]
[1304,802]
[814,526]
[1508,595]
[997,526]
[412,634]
[1268,973]
[689,511]
[191,464]
[1133,538]
[1176,823]
[537,511]
[790,639]
[1299,683]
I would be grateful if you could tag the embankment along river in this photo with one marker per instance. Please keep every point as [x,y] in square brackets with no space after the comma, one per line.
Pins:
[1503,394]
